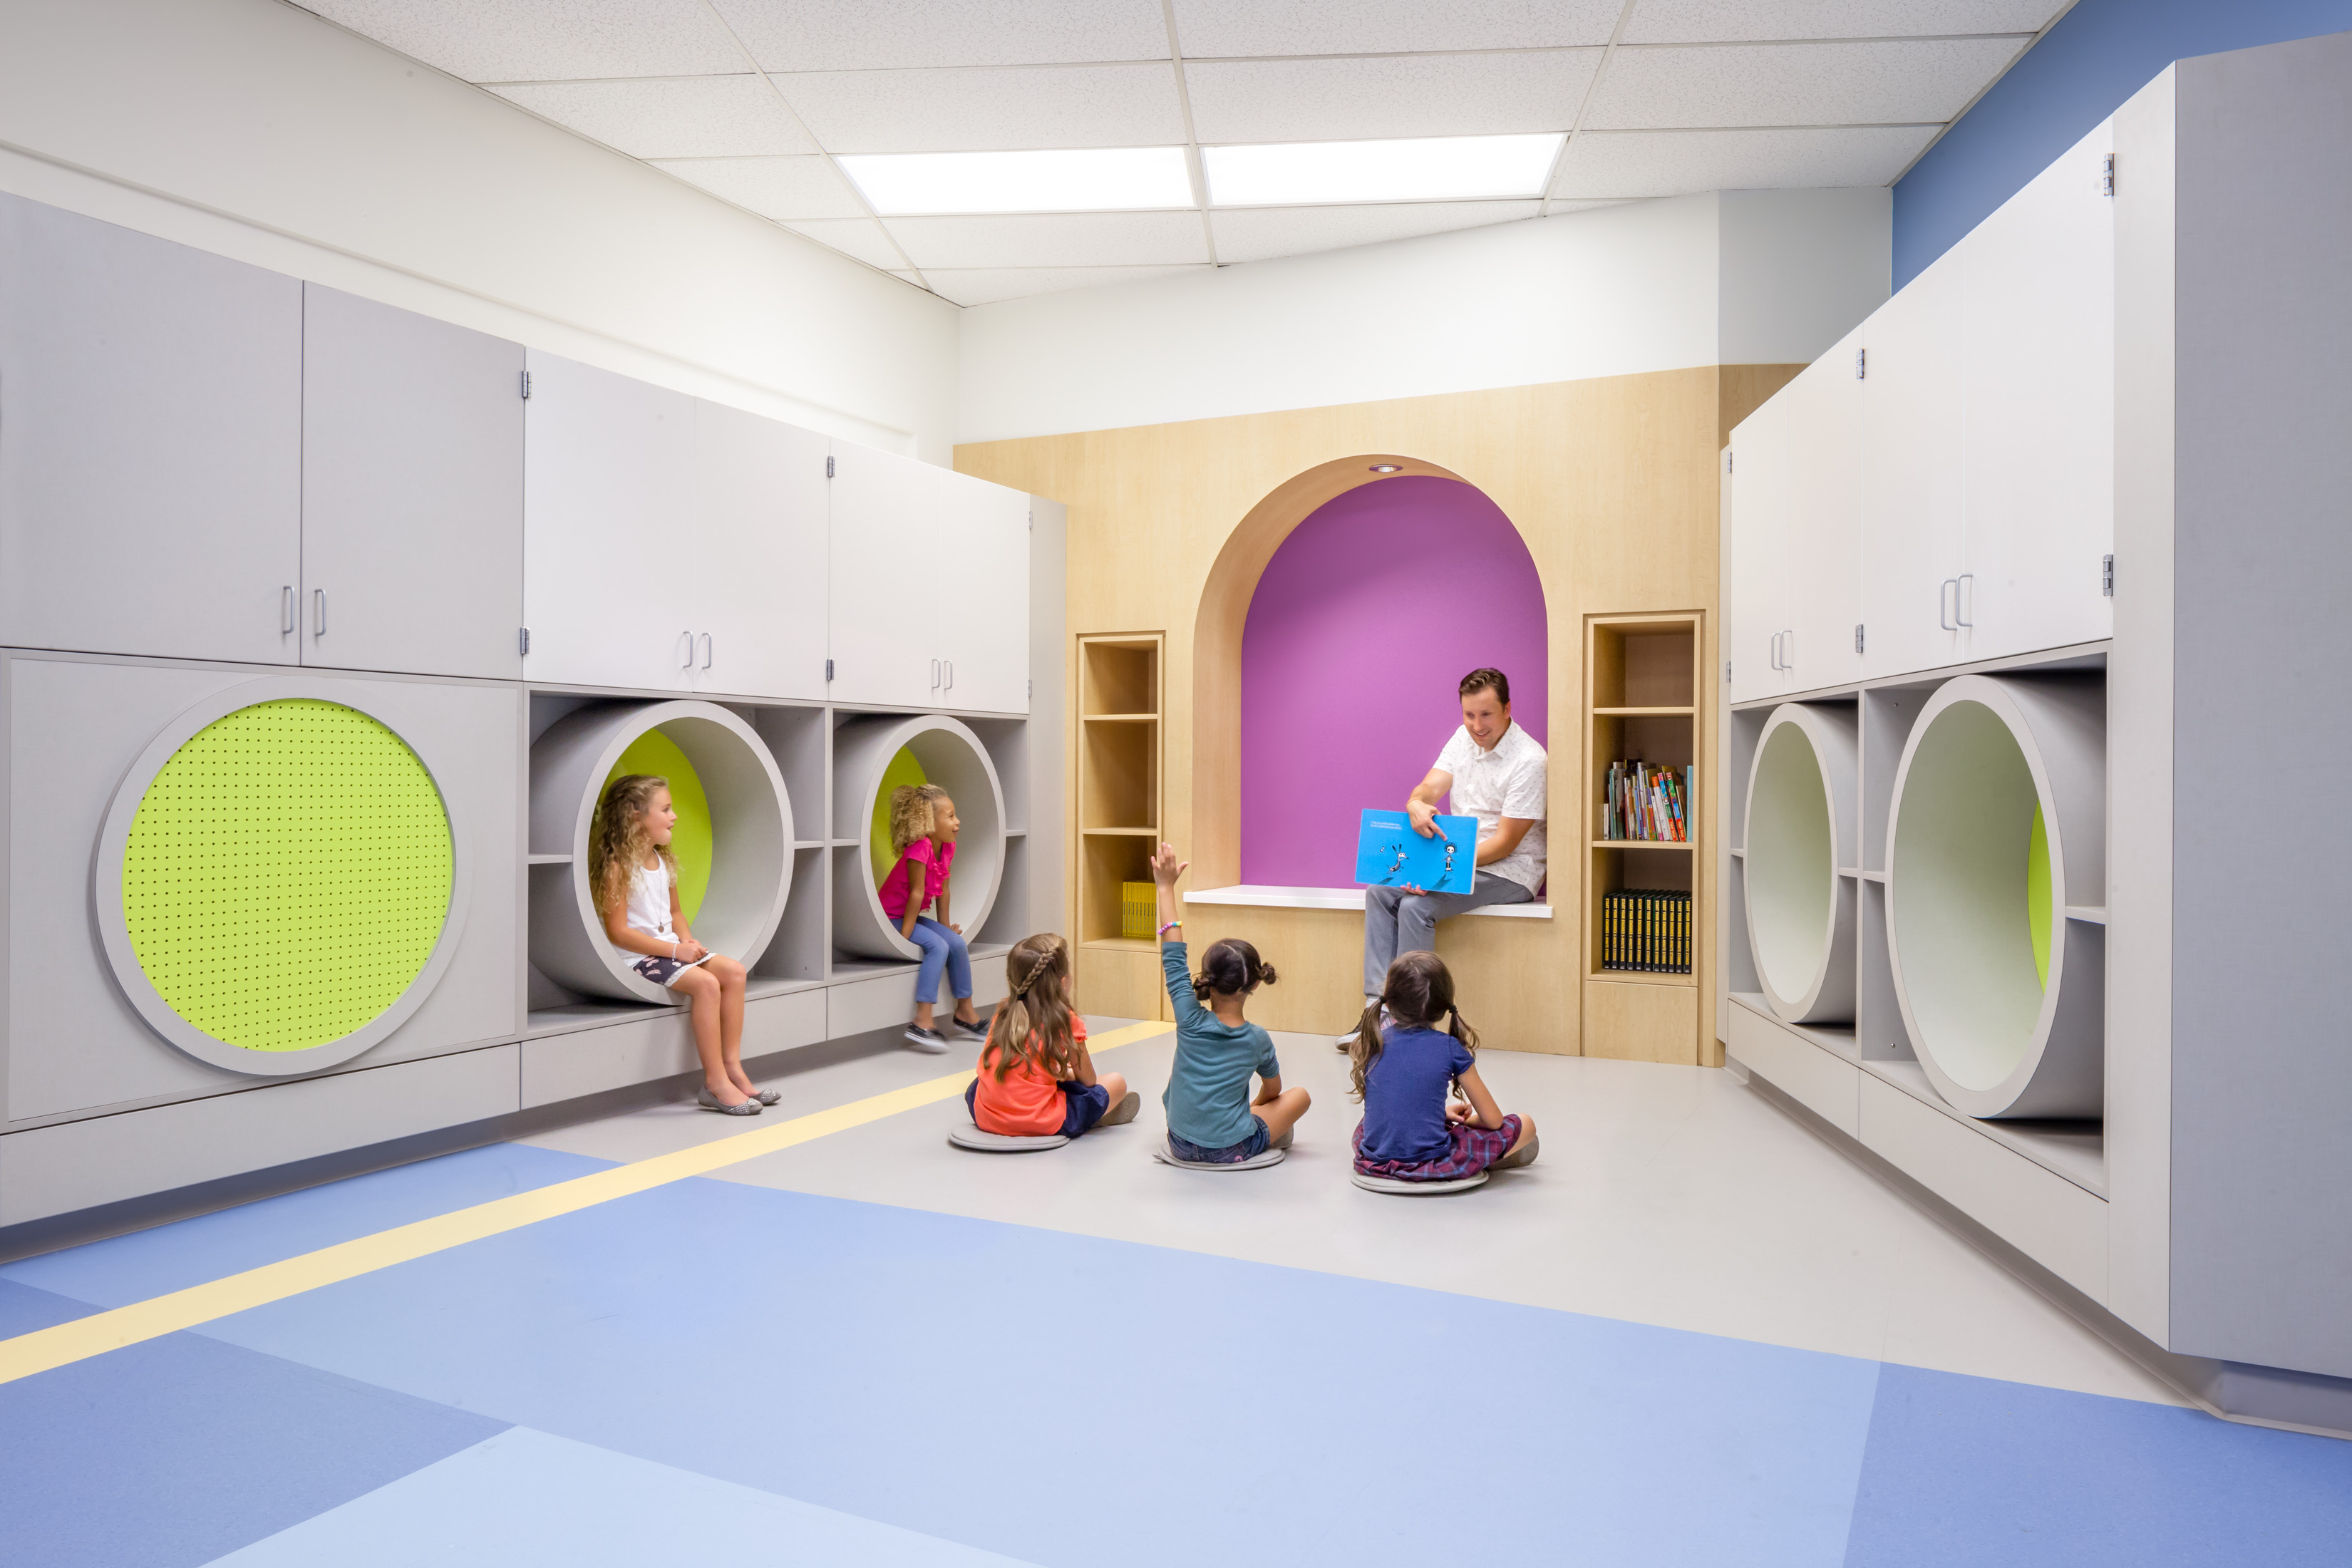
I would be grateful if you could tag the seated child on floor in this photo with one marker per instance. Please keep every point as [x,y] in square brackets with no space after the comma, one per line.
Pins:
[1410,1131]
[1036,1076]
[1211,1115]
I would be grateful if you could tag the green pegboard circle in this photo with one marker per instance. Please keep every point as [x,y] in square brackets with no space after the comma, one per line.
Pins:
[286,875]
[690,839]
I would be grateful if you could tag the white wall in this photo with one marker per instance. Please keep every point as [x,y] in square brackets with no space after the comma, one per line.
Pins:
[1751,277]
[258,131]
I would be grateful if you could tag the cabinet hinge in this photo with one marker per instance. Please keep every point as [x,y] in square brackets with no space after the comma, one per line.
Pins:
[828,468]
[1726,672]
[1031,684]
[1727,461]
[829,663]
[2107,175]
[1861,364]
[526,386]
[525,640]
[1857,636]
[2108,576]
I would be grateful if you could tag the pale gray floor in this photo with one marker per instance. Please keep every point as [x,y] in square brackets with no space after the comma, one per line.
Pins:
[1665,1195]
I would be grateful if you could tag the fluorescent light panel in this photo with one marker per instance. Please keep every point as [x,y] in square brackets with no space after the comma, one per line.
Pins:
[1107,179]
[1426,169]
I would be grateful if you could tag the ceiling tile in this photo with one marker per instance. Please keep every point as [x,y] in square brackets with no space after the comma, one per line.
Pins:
[1795,84]
[537,40]
[1418,94]
[1677,163]
[780,188]
[986,285]
[683,117]
[1207,29]
[1053,239]
[1740,21]
[881,34]
[1257,234]
[990,111]
[861,238]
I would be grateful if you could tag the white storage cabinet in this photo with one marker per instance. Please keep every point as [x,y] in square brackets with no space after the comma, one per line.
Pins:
[412,492]
[930,586]
[1912,432]
[150,444]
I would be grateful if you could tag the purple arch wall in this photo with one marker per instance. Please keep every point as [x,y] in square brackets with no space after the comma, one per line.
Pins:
[1365,619]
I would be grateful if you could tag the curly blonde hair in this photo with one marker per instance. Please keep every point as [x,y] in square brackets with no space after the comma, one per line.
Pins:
[618,841]
[912,814]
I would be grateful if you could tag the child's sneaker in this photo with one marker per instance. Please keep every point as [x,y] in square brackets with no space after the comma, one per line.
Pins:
[1122,1113]
[976,1032]
[924,1039]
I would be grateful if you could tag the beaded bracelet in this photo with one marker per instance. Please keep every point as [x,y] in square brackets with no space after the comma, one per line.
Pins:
[1172,925]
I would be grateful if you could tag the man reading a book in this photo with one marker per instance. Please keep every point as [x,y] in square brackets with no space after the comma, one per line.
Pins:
[1494,771]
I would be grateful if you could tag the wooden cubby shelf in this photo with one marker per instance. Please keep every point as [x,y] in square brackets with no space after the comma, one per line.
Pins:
[1119,781]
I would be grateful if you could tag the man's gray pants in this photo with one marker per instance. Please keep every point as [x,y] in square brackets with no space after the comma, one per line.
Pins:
[1397,921]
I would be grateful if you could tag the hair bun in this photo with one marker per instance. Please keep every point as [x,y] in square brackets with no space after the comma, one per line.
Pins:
[1266,974]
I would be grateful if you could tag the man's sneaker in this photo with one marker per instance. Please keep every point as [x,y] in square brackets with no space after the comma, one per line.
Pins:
[924,1039]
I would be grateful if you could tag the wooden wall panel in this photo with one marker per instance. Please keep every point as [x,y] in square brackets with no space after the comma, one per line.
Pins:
[1613,482]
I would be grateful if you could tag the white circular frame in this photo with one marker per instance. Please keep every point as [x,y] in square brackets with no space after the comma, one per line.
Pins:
[1993,1039]
[953,758]
[751,832]
[380,701]
[1800,830]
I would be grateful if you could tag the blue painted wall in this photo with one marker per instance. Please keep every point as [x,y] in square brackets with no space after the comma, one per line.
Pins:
[2101,53]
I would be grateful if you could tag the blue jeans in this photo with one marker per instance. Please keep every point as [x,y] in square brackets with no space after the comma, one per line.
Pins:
[941,949]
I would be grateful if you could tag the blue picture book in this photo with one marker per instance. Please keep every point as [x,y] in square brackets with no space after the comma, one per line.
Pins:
[1390,854]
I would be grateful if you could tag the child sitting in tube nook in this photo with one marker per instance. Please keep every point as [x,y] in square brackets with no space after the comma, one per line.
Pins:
[1035,1077]
[1213,1118]
[923,828]
[634,878]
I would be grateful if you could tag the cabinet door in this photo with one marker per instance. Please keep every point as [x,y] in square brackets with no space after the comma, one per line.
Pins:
[612,570]
[2039,444]
[150,444]
[760,559]
[1911,474]
[1760,497]
[987,618]
[412,491]
[895,581]
[1823,566]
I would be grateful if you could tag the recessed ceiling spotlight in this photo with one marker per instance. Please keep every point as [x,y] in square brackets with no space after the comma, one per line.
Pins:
[1422,169]
[1107,179]
[1388,468]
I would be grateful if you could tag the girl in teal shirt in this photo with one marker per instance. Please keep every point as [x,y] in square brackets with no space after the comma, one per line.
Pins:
[1212,1118]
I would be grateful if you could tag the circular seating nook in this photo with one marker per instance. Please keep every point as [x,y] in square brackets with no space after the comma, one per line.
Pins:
[1800,913]
[949,755]
[743,826]
[1999,819]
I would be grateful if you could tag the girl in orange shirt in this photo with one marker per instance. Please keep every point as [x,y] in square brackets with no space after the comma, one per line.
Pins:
[1035,1077]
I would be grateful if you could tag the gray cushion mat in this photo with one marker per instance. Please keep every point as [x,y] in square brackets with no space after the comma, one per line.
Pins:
[970,1136]
[1167,1156]
[1416,1189]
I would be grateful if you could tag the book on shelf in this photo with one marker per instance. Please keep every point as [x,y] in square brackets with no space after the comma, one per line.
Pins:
[1646,803]
[1646,931]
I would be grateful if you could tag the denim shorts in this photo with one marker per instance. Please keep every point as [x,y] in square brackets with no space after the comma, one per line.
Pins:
[1083,1104]
[1249,1147]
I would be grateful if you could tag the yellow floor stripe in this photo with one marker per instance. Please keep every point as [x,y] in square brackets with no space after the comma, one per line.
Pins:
[64,1343]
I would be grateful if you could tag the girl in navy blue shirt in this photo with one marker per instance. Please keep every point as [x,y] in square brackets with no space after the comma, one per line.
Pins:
[1412,1131]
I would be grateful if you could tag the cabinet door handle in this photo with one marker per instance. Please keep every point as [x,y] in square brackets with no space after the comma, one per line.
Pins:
[706,650]
[1964,594]
[1773,656]
[686,640]
[286,609]
[935,675]
[1945,592]
[1789,650]
[317,612]
[947,666]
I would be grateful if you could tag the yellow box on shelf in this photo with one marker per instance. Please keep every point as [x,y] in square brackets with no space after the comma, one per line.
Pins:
[1139,905]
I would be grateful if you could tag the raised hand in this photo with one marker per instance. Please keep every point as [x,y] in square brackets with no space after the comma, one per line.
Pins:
[1166,868]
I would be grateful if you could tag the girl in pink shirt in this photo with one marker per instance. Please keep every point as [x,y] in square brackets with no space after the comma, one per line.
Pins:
[923,828]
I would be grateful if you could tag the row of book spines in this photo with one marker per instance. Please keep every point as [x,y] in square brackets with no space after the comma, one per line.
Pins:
[1646,803]
[1648,932]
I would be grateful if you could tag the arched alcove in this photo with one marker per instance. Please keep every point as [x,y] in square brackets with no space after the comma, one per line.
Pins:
[1217,650]
[1362,623]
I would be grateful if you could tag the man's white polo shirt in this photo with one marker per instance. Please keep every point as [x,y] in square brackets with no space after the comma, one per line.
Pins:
[1506,782]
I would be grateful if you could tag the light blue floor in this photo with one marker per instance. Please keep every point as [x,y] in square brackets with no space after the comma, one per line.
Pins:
[718,1373]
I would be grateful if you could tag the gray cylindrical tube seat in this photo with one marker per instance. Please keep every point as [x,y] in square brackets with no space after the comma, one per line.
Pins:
[1800,829]
[1986,753]
[951,756]
[750,828]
